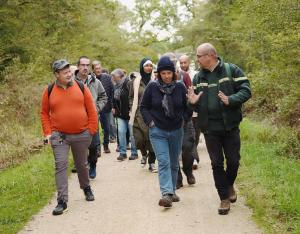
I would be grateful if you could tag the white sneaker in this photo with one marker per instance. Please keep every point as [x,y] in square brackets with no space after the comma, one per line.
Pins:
[152,168]
[195,165]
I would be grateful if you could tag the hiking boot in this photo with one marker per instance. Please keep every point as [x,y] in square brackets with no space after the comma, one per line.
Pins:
[106,149]
[117,149]
[92,172]
[165,201]
[60,208]
[122,157]
[191,179]
[232,194]
[133,157]
[224,207]
[152,168]
[88,194]
[175,198]
[74,170]
[144,160]
[195,165]
[179,184]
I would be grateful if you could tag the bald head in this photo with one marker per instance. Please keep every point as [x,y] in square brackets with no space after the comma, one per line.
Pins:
[184,61]
[207,48]
[206,55]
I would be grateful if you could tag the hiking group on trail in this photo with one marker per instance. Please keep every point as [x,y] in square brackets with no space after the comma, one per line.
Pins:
[159,110]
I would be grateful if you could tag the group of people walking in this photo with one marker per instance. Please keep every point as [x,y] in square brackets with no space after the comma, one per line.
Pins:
[160,110]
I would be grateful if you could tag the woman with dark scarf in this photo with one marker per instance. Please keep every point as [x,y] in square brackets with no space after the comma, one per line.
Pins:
[140,130]
[164,110]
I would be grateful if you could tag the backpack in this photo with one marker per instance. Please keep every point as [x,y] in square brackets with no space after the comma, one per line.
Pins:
[80,84]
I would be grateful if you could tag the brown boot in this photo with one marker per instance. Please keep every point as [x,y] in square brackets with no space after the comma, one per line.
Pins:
[224,207]
[106,149]
[191,179]
[232,194]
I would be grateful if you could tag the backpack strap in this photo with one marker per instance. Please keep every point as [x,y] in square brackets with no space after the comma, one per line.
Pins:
[80,84]
[228,70]
[50,88]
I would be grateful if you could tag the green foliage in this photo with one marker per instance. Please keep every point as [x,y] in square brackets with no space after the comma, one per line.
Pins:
[268,179]
[24,190]
[259,36]
[33,35]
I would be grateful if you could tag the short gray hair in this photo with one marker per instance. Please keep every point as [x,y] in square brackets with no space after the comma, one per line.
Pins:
[118,72]
[96,62]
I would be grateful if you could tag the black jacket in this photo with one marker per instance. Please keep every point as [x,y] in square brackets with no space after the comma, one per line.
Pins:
[109,89]
[122,106]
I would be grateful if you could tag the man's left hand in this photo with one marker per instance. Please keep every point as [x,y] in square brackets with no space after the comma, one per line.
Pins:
[223,98]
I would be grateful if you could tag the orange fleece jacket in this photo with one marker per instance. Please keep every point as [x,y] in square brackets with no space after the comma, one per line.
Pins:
[68,110]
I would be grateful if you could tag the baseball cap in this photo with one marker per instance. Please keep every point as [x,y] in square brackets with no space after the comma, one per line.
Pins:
[59,64]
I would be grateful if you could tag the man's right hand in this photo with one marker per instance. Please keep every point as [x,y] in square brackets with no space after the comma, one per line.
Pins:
[192,97]
[47,140]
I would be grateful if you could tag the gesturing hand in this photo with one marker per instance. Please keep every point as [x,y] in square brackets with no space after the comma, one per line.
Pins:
[192,97]
[223,98]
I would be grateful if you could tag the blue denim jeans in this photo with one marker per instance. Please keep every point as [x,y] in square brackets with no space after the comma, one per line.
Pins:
[105,124]
[112,127]
[123,127]
[167,147]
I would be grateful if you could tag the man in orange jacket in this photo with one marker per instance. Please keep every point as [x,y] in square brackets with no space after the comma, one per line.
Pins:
[69,119]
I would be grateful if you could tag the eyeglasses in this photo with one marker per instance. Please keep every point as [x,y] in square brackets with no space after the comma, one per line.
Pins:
[199,56]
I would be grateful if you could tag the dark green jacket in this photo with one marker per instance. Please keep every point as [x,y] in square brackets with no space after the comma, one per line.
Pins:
[214,115]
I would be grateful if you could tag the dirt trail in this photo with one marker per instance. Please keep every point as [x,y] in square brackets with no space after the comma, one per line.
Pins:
[127,202]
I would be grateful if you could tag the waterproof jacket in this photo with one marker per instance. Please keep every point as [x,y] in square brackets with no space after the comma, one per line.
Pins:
[213,114]
[97,91]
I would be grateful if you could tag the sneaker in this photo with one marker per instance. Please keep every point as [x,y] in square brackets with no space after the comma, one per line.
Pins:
[98,153]
[60,208]
[191,179]
[112,140]
[179,184]
[106,149]
[117,149]
[144,160]
[232,194]
[195,165]
[165,201]
[122,157]
[92,172]
[133,157]
[175,198]
[224,207]
[152,168]
[88,194]
[74,170]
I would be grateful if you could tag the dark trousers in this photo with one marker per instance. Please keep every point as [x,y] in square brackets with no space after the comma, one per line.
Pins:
[93,149]
[105,124]
[188,147]
[197,137]
[226,144]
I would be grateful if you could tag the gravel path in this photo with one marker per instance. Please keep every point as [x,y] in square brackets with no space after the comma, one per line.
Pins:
[127,203]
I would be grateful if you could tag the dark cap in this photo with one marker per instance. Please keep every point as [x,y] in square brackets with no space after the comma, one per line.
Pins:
[165,63]
[59,65]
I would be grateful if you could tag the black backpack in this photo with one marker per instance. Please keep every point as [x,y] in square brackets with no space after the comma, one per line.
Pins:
[80,84]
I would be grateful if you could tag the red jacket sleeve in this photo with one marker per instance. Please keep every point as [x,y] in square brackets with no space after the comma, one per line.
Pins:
[45,116]
[91,111]
[187,80]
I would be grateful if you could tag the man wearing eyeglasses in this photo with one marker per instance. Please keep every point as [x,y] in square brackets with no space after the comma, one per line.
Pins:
[219,91]
[100,99]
